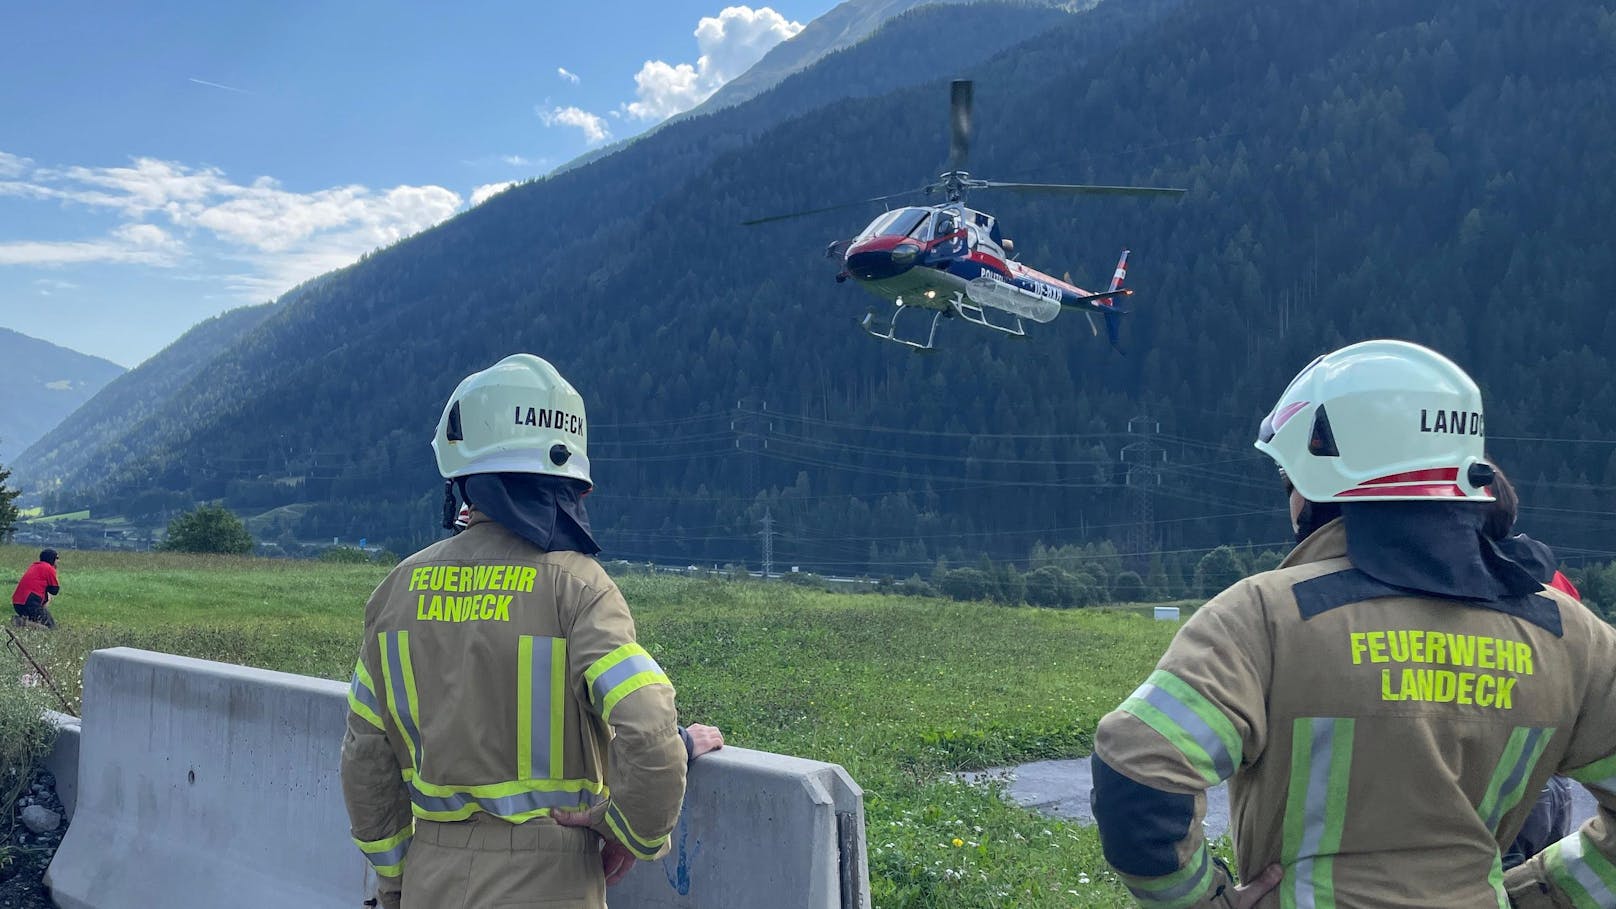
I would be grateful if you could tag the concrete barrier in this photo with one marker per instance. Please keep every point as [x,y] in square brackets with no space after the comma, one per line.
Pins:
[759,829]
[206,784]
[63,761]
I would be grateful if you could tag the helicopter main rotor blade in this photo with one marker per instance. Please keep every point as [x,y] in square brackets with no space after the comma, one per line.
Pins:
[1075,189]
[959,140]
[837,207]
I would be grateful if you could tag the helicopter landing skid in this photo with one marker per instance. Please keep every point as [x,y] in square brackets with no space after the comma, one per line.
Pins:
[976,315]
[891,332]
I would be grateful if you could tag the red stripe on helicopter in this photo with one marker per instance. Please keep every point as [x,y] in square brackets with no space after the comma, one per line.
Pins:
[984,259]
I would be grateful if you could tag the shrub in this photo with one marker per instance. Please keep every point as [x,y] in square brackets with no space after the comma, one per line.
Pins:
[1049,586]
[803,579]
[1128,587]
[1597,584]
[348,555]
[1012,586]
[25,740]
[8,505]
[209,528]
[966,584]
[1267,560]
[1218,570]
[1084,591]
[915,586]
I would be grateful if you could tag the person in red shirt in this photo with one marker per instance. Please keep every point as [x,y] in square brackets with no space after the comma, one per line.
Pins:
[39,583]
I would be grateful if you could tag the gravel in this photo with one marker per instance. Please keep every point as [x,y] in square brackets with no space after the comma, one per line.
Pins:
[36,831]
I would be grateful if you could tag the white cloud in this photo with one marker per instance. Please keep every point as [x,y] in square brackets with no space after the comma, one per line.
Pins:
[138,244]
[519,161]
[570,77]
[488,190]
[48,286]
[172,213]
[593,127]
[728,44]
[13,165]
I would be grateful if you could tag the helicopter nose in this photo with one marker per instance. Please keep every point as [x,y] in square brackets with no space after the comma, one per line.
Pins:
[875,260]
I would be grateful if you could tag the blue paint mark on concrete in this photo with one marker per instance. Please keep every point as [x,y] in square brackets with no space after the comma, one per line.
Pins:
[678,872]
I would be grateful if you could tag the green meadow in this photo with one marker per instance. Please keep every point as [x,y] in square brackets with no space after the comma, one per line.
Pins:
[900,691]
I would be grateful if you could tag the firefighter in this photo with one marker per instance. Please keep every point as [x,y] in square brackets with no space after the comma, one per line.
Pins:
[1390,700]
[499,687]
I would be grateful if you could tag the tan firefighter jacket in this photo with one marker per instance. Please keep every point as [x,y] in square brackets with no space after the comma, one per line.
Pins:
[1380,746]
[494,677]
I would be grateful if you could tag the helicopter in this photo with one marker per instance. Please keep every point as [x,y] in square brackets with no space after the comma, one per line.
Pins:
[953,261]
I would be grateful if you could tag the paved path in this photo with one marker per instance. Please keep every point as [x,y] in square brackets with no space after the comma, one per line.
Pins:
[1061,789]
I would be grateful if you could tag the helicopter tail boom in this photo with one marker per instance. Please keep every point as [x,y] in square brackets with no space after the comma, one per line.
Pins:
[1110,300]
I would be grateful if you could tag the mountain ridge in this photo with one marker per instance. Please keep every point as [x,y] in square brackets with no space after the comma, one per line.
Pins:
[42,383]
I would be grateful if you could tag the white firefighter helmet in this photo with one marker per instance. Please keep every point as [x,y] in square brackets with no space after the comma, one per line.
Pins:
[1380,421]
[517,416]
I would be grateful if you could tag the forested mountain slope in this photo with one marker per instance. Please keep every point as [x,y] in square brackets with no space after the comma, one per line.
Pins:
[40,383]
[94,429]
[1435,170]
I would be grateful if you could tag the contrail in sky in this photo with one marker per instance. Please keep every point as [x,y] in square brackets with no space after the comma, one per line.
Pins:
[228,88]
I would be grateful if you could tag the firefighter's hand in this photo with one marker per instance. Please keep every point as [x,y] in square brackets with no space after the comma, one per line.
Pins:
[1249,894]
[571,818]
[704,739]
[615,861]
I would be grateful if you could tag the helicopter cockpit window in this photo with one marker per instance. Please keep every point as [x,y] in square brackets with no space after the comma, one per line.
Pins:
[945,225]
[902,222]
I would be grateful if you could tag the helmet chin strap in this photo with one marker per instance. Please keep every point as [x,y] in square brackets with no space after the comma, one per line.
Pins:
[1313,516]
[450,507]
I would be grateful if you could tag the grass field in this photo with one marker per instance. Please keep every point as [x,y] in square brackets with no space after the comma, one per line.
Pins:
[899,691]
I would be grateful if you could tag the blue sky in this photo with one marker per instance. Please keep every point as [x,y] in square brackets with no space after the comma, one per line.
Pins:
[166,161]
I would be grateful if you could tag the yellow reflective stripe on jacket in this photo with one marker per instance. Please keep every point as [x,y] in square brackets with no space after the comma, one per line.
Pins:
[642,848]
[1315,810]
[1509,779]
[1184,887]
[362,696]
[541,685]
[387,855]
[1581,872]
[1600,774]
[400,678]
[619,674]
[1193,724]
[515,801]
